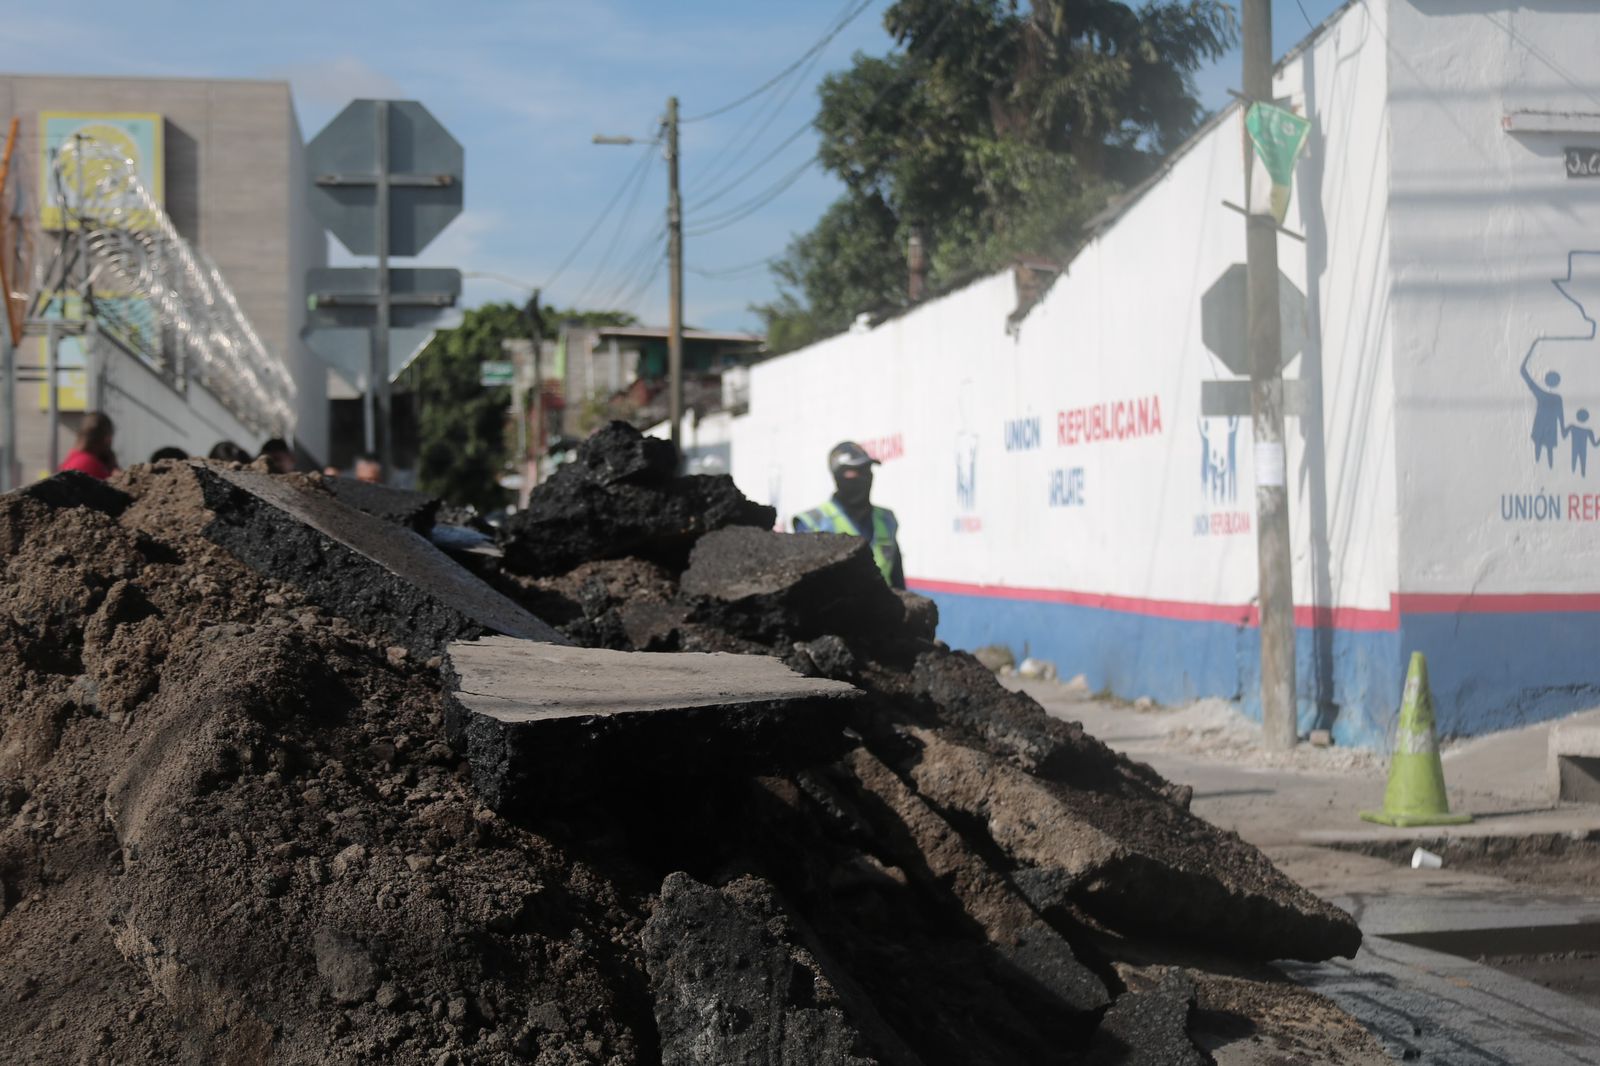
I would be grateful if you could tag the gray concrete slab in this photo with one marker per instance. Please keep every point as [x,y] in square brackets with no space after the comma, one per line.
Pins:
[517,681]
[545,725]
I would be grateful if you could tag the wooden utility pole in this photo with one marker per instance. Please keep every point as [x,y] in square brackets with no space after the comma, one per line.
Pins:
[1275,567]
[675,269]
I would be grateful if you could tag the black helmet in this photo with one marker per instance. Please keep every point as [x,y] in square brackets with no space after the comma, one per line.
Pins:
[847,454]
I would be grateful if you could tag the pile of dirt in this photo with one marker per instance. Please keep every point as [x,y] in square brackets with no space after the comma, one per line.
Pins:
[236,827]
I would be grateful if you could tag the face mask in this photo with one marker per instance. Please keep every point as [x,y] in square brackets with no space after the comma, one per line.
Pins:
[854,491]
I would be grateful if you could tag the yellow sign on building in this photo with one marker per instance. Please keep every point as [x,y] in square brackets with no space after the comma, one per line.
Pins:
[87,144]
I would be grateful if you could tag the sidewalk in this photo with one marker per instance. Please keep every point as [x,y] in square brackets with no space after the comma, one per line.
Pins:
[1313,795]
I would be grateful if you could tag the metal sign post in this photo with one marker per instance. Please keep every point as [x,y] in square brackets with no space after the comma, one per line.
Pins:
[387,179]
[8,399]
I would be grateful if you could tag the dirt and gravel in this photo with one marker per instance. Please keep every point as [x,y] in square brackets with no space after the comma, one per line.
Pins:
[237,827]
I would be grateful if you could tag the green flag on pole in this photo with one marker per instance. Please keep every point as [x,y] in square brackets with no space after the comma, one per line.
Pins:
[1278,136]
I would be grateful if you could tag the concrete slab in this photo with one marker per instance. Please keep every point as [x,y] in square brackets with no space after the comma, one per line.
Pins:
[375,573]
[1572,767]
[544,723]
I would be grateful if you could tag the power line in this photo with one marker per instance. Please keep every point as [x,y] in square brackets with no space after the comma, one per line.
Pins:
[809,124]
[631,300]
[840,21]
[616,235]
[735,271]
[754,204]
[739,144]
[643,254]
[760,200]
[600,219]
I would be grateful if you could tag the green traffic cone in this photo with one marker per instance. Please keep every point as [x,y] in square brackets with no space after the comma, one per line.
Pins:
[1415,795]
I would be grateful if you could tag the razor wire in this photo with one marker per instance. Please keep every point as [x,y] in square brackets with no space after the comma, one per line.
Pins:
[160,298]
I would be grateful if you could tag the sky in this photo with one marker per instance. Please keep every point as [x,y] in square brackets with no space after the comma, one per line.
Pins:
[524,85]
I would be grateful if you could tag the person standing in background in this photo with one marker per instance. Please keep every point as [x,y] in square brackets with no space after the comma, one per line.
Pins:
[278,455]
[92,453]
[851,511]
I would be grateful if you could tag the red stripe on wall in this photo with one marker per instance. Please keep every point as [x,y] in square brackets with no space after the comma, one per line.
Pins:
[1360,619]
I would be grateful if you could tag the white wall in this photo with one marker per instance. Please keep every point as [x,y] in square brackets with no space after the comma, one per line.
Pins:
[1483,220]
[1123,324]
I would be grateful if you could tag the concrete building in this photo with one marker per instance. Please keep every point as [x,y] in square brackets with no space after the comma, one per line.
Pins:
[228,166]
[1059,489]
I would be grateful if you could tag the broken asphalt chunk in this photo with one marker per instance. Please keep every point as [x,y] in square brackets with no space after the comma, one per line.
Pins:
[543,723]
[1149,1027]
[619,498]
[728,988]
[414,510]
[783,587]
[376,574]
[73,488]
[1138,864]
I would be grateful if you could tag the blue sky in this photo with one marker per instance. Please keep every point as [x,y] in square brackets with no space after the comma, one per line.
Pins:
[524,84]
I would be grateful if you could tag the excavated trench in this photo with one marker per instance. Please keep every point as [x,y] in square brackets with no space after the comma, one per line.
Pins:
[246,817]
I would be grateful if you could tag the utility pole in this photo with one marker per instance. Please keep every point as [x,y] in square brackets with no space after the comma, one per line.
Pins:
[675,269]
[379,422]
[669,130]
[1279,725]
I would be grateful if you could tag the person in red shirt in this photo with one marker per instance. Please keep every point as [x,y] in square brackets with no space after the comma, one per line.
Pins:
[92,454]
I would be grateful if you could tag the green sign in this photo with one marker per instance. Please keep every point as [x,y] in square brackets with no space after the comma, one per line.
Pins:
[1278,137]
[494,372]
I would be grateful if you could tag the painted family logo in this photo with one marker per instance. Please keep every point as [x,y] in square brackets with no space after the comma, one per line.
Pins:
[1562,374]
[1219,479]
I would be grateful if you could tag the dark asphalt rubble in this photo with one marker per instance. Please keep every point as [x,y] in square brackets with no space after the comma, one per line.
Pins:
[233,826]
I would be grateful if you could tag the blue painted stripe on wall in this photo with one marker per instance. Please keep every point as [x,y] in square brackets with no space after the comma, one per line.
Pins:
[1358,673]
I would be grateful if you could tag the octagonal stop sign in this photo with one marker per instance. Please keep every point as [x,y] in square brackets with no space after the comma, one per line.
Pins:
[385,142]
[1224,323]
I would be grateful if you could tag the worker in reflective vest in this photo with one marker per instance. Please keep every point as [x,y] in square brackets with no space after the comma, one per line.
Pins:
[851,511]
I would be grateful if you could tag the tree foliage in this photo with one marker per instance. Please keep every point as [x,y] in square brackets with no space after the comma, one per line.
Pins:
[461,425]
[995,130]
[464,429]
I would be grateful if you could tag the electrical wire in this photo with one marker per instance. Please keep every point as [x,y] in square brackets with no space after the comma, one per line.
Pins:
[751,206]
[600,219]
[733,271]
[629,302]
[638,260]
[837,26]
[736,214]
[809,124]
[616,234]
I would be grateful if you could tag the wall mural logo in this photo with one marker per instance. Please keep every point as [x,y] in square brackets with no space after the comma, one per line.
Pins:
[1219,463]
[966,456]
[1562,373]
[1219,478]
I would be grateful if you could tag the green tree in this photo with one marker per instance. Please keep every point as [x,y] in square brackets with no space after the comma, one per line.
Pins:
[461,425]
[464,429]
[994,131]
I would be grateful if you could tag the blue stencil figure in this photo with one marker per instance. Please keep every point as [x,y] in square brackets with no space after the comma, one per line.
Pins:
[1548,422]
[1582,437]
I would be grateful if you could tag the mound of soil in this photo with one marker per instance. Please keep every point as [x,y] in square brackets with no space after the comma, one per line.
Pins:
[234,827]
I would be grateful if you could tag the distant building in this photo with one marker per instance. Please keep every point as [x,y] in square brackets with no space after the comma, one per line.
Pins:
[621,371]
[225,159]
